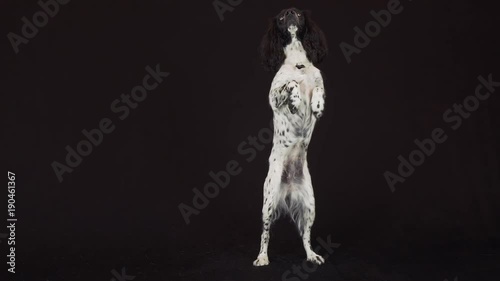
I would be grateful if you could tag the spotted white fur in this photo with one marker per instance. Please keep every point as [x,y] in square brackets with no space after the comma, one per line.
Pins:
[297,100]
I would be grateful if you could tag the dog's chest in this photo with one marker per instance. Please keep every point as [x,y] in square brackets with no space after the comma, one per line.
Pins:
[304,74]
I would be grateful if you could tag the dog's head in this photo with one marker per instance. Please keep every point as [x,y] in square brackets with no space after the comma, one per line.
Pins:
[289,18]
[279,34]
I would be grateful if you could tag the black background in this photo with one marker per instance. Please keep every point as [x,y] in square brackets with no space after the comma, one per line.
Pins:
[119,207]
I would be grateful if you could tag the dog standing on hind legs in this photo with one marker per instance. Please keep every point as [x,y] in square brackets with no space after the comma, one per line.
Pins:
[291,47]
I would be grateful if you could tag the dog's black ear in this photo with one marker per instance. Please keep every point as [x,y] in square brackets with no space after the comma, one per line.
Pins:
[314,41]
[271,47]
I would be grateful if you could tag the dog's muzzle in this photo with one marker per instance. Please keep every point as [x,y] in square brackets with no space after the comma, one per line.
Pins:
[291,18]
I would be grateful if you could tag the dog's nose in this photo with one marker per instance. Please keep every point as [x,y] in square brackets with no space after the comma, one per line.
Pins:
[290,12]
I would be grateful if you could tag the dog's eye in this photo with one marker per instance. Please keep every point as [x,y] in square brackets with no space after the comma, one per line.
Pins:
[281,19]
[298,15]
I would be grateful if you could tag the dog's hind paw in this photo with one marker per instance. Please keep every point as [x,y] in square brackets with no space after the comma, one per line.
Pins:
[315,258]
[261,260]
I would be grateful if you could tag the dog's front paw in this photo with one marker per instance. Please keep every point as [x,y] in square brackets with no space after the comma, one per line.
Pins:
[315,258]
[318,102]
[294,99]
[261,260]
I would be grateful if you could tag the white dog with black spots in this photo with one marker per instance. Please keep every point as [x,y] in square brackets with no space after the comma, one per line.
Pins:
[291,46]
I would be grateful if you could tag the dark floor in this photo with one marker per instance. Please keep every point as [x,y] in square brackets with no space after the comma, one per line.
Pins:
[231,259]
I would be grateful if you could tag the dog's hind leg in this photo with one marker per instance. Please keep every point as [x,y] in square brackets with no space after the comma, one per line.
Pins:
[269,208]
[307,215]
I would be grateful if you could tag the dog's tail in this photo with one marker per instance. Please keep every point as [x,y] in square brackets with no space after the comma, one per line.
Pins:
[294,202]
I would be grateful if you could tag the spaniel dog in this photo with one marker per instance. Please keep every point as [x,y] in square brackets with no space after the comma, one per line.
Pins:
[291,47]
